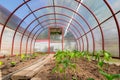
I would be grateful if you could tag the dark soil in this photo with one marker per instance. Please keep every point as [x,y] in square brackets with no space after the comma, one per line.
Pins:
[6,68]
[84,70]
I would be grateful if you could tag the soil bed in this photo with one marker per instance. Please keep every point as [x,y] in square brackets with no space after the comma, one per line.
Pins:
[84,70]
[6,68]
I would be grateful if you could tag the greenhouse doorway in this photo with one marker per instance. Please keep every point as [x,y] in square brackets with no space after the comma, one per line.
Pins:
[55,39]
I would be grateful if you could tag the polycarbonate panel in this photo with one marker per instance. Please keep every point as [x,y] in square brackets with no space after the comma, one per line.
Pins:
[35,4]
[26,22]
[7,41]
[17,43]
[75,31]
[99,8]
[62,17]
[32,25]
[4,13]
[36,28]
[115,4]
[67,3]
[22,12]
[90,40]
[69,44]
[82,22]
[98,39]
[81,44]
[85,43]
[28,48]
[78,27]
[38,45]
[1,26]
[41,19]
[32,48]
[24,44]
[88,16]
[111,37]
[10,4]
[118,18]
[64,11]
[43,35]
[44,11]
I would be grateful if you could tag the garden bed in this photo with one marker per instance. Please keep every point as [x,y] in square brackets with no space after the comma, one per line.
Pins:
[11,64]
[76,65]
[84,71]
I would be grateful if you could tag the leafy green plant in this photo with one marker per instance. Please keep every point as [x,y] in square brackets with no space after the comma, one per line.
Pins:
[13,63]
[1,63]
[90,79]
[106,57]
[23,57]
[34,55]
[64,62]
[110,76]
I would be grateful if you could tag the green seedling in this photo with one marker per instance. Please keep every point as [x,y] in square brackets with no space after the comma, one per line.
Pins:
[110,76]
[90,79]
[1,63]
[13,63]
[23,57]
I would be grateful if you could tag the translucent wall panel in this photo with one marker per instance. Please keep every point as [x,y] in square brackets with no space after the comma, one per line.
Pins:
[35,4]
[38,45]
[88,16]
[1,26]
[82,22]
[99,8]
[78,27]
[7,41]
[24,44]
[90,40]
[67,3]
[33,46]
[70,45]
[98,39]
[118,18]
[17,43]
[12,3]
[111,37]
[81,43]
[115,4]
[28,48]
[85,43]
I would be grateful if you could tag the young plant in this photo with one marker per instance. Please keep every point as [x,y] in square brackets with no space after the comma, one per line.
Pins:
[23,57]
[34,55]
[13,63]
[1,63]
[110,76]
[106,57]
[90,79]
[63,62]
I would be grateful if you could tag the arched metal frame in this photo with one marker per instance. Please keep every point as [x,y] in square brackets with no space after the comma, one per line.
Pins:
[62,15]
[46,25]
[72,11]
[57,24]
[116,21]
[110,8]
[51,6]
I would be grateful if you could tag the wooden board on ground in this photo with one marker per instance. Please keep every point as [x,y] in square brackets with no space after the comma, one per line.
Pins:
[29,72]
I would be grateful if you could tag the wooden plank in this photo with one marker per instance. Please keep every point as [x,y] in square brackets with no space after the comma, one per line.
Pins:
[29,72]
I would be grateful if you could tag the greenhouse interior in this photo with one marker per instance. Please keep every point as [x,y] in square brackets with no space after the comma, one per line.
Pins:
[60,40]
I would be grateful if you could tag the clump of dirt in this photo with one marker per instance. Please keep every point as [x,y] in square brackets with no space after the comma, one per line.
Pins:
[84,70]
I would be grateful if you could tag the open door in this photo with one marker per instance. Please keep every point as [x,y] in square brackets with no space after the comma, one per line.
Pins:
[55,39]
